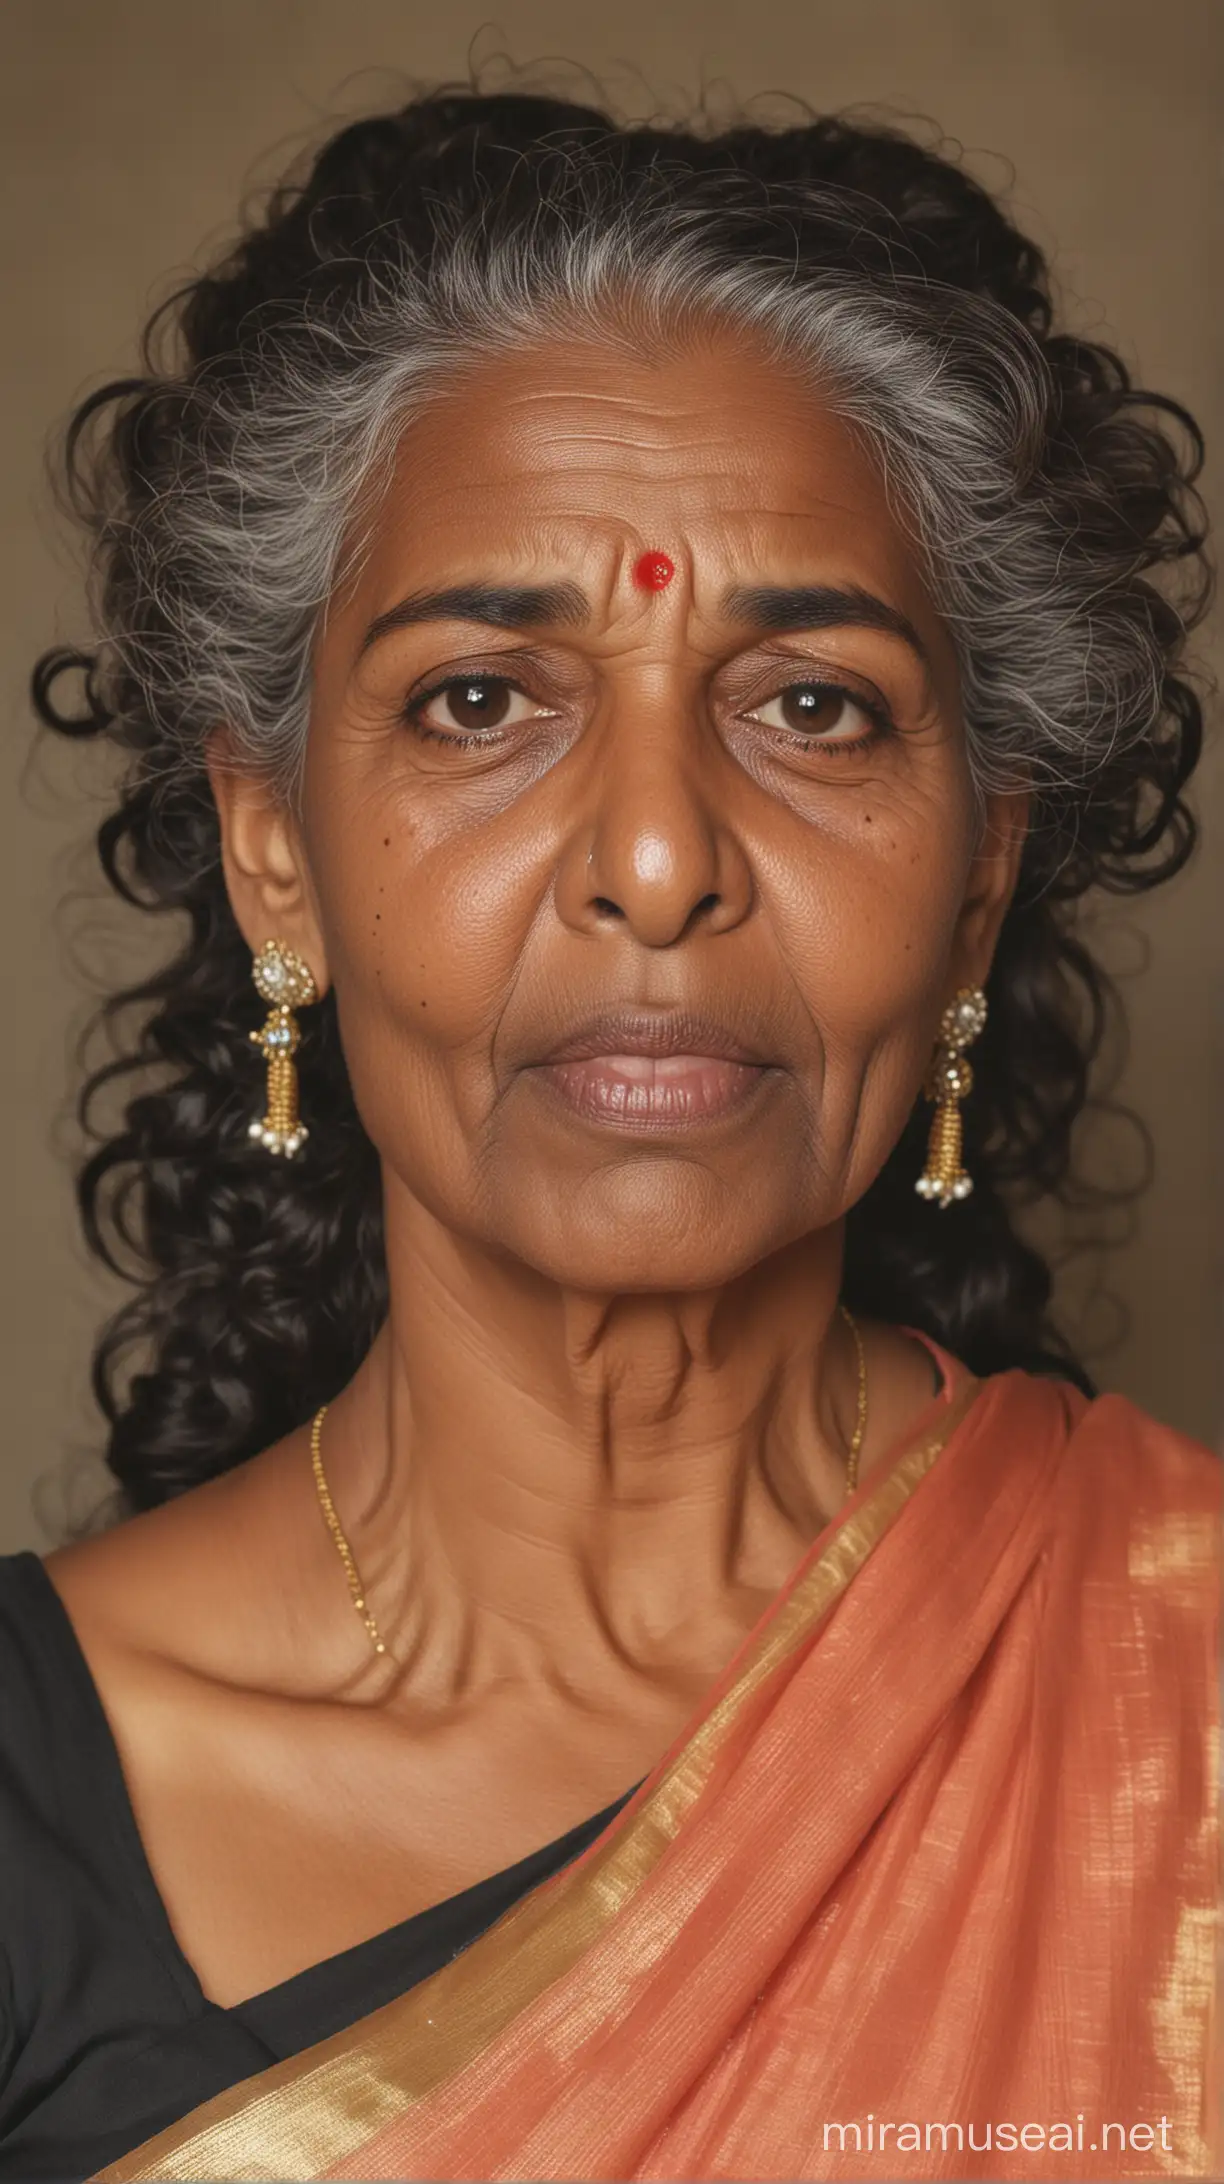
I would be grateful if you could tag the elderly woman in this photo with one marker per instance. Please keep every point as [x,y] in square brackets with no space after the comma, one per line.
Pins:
[634,1651]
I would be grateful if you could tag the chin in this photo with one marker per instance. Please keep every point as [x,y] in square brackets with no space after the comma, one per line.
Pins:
[684,1240]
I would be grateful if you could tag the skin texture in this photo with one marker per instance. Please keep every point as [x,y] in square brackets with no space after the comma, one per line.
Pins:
[611,1405]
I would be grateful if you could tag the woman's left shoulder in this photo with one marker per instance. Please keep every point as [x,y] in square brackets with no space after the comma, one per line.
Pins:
[1160,1462]
[1117,1418]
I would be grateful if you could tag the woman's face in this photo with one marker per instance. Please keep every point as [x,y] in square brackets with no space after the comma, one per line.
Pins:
[731,814]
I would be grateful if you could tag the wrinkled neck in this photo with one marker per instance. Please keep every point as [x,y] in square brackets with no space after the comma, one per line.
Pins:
[591,1477]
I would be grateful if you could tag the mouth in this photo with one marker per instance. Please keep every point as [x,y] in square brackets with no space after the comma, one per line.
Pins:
[640,1069]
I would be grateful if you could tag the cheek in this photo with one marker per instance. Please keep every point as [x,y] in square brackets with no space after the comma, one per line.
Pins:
[870,915]
[423,949]
[866,923]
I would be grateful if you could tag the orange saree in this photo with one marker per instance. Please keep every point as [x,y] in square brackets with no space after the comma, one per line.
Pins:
[931,1888]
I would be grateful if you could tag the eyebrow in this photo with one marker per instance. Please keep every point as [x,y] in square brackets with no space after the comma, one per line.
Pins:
[504,606]
[819,606]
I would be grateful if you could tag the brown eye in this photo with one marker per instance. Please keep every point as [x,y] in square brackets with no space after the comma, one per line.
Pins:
[820,713]
[808,707]
[469,707]
[477,704]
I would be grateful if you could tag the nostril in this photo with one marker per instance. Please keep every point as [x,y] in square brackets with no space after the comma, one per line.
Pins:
[607,907]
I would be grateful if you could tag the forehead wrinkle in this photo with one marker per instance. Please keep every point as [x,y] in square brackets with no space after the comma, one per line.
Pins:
[701,461]
[667,455]
[660,405]
[543,457]
[628,424]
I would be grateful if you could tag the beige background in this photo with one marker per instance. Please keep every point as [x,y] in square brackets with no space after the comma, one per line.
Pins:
[129,130]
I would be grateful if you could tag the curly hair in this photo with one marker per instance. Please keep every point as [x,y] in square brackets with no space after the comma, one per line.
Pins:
[1050,499]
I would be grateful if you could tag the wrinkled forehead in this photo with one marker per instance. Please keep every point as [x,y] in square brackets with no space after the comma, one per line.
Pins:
[575,452]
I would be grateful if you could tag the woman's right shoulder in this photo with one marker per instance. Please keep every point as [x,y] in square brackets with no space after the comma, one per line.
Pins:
[54,1783]
[34,1664]
[212,1586]
[46,1703]
[73,1624]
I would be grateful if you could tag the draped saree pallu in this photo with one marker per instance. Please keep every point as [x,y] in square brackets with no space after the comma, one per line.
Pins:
[936,1871]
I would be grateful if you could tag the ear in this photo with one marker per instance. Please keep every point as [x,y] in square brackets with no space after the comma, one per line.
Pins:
[993,874]
[263,858]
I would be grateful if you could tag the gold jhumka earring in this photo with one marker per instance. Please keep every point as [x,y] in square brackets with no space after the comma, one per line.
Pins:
[285,983]
[948,1081]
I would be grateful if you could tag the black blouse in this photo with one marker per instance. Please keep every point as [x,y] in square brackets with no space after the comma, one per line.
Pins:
[105,2033]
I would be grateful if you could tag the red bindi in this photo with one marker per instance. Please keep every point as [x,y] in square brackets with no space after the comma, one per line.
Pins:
[653,572]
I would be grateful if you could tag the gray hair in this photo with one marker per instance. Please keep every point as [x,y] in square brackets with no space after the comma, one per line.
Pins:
[237,546]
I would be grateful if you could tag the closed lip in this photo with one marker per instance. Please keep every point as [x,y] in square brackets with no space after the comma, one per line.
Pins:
[657,1032]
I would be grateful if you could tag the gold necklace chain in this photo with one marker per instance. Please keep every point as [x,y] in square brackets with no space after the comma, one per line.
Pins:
[860,1419]
[345,1552]
[334,1526]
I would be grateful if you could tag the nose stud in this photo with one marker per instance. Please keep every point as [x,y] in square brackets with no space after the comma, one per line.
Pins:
[653,571]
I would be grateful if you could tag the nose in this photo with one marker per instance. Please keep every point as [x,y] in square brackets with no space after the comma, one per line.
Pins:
[655,858]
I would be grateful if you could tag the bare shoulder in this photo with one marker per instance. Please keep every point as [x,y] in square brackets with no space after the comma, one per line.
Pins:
[200,1581]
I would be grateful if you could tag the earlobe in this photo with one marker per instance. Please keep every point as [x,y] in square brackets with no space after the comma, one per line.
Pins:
[263,859]
[993,875]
